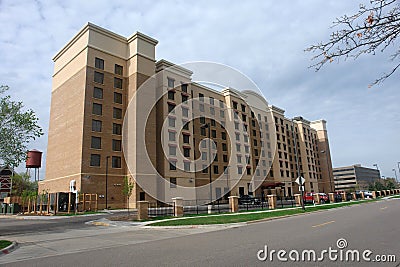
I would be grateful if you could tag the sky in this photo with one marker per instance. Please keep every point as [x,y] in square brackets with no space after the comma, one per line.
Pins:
[264,39]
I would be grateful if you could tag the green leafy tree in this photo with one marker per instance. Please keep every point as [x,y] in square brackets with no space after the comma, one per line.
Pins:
[17,129]
[373,28]
[379,186]
[21,182]
[127,189]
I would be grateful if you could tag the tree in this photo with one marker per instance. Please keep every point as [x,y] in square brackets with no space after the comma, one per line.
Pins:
[22,183]
[17,129]
[127,189]
[372,29]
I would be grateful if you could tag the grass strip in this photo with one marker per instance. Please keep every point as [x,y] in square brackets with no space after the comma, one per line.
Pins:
[237,218]
[4,243]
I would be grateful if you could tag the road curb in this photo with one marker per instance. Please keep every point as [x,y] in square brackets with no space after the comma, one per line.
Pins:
[8,249]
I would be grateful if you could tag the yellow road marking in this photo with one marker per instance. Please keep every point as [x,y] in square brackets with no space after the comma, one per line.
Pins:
[322,224]
[383,208]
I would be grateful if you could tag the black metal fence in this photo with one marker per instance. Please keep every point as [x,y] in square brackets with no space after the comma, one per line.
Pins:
[193,206]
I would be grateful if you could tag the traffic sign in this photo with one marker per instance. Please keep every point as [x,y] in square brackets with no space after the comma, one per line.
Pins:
[301,188]
[300,180]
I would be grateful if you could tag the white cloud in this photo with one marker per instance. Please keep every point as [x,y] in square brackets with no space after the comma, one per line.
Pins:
[263,39]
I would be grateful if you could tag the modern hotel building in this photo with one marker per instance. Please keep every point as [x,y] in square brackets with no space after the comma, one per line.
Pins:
[254,148]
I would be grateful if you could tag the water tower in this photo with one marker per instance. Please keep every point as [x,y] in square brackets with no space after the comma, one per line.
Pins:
[34,161]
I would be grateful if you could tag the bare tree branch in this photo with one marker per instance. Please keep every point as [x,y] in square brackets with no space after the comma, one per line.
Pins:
[372,29]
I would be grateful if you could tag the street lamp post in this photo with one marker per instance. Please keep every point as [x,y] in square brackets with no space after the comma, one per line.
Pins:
[207,125]
[329,172]
[398,166]
[106,181]
[376,165]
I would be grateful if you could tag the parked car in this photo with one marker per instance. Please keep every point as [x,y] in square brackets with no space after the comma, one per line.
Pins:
[308,197]
[323,198]
[367,194]
[338,197]
[248,199]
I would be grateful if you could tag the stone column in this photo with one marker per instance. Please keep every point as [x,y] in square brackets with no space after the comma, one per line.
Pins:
[271,202]
[297,198]
[373,194]
[178,206]
[316,198]
[354,196]
[331,197]
[143,210]
[344,197]
[233,203]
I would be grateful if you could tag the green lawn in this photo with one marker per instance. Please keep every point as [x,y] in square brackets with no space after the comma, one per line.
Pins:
[4,243]
[252,216]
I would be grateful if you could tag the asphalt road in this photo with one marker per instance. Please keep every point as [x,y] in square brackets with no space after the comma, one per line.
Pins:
[372,226]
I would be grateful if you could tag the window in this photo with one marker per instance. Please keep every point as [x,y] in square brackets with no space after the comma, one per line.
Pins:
[201,107]
[204,169]
[118,98]
[185,125]
[185,112]
[171,136]
[171,83]
[223,135]
[225,158]
[98,93]
[212,111]
[239,158]
[224,147]
[237,136]
[186,139]
[202,120]
[221,104]
[172,150]
[96,142]
[236,126]
[95,160]
[243,108]
[246,149]
[238,147]
[99,63]
[214,133]
[246,138]
[98,77]
[116,145]
[201,96]
[96,126]
[172,182]
[118,83]
[244,117]
[171,122]
[171,108]
[240,169]
[248,170]
[172,166]
[117,113]
[186,166]
[215,167]
[222,114]
[203,143]
[116,162]
[186,152]
[211,101]
[203,131]
[203,155]
[213,122]
[117,128]
[97,109]
[185,98]
[235,105]
[255,142]
[118,69]
[184,87]
[171,95]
